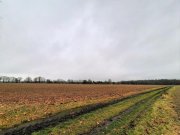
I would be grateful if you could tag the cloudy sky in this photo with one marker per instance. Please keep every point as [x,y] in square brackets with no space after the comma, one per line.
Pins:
[97,39]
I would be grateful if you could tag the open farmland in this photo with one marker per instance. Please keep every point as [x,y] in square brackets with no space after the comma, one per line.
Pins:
[89,67]
[69,109]
[20,103]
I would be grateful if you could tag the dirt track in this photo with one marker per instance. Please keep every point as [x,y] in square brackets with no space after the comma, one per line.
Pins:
[148,101]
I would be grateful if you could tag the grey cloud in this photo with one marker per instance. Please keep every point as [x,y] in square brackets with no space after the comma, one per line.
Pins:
[118,39]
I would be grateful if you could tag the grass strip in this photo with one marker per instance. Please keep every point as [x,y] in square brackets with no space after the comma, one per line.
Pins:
[159,119]
[94,118]
[122,124]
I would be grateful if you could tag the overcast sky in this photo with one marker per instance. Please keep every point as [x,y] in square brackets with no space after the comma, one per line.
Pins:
[97,39]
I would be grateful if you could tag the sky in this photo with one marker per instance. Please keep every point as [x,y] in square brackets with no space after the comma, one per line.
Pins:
[90,39]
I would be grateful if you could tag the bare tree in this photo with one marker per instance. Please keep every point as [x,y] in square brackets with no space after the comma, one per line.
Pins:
[12,79]
[5,79]
[19,79]
[0,78]
[28,79]
[39,79]
[109,81]
[60,81]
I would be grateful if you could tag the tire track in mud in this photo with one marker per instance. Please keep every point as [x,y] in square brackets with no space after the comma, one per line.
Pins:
[98,130]
[29,127]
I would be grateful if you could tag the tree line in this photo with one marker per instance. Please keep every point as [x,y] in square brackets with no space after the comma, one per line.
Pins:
[39,79]
[154,82]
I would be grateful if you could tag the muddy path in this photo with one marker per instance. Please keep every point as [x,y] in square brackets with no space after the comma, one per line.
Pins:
[98,130]
[29,127]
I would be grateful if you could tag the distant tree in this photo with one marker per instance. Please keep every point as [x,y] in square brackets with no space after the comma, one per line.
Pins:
[70,81]
[39,79]
[85,82]
[5,79]
[60,81]
[89,81]
[109,81]
[28,79]
[19,79]
[49,81]
[12,79]
[153,82]
[2,79]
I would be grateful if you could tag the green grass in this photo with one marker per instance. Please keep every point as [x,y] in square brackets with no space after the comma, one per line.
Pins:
[121,125]
[92,119]
[159,119]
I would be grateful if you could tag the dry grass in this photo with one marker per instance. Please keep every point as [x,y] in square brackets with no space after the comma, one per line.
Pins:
[160,119]
[176,97]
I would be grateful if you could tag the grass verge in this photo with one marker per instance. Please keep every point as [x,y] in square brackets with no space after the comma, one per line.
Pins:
[159,119]
[94,118]
[121,125]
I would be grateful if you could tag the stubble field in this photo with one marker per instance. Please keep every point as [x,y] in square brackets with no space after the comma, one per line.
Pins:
[20,103]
